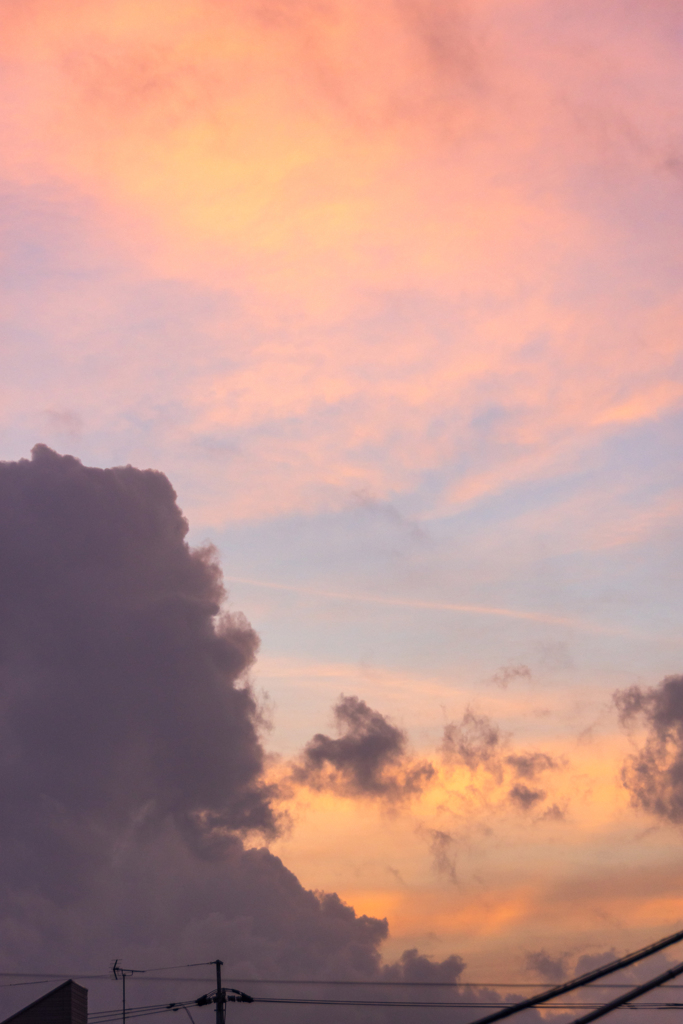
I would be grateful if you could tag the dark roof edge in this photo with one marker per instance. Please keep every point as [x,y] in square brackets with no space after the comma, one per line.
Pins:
[41,998]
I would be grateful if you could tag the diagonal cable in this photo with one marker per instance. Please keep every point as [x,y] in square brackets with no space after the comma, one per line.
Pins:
[632,994]
[583,979]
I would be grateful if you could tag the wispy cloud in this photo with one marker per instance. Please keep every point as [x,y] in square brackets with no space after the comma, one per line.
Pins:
[416,247]
[441,606]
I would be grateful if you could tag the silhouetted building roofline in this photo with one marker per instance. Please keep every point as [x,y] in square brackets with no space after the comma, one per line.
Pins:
[66,1004]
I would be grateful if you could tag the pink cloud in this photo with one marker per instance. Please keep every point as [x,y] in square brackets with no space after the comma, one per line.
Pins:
[511,167]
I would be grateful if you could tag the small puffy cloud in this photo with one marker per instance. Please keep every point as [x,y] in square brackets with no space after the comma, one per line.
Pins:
[510,674]
[475,741]
[368,758]
[529,765]
[524,797]
[654,774]
[550,968]
[441,845]
[553,813]
[591,961]
[414,967]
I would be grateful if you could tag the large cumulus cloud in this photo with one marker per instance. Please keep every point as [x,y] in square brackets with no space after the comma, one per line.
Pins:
[121,693]
[130,753]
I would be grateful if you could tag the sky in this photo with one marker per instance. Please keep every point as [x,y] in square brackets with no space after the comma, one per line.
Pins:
[388,298]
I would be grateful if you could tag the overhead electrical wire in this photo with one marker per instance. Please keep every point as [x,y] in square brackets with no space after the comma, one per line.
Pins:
[399,984]
[107,1016]
[177,967]
[596,1009]
[100,1015]
[423,1004]
[583,979]
[633,994]
[44,978]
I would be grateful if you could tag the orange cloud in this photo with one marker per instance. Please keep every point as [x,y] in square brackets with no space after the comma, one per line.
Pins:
[519,878]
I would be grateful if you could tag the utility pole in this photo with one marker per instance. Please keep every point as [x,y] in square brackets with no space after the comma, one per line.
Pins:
[123,972]
[220,995]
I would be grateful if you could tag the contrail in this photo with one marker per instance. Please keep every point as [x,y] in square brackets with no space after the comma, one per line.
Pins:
[441,606]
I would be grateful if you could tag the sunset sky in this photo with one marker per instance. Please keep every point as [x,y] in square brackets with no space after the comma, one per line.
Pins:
[390,290]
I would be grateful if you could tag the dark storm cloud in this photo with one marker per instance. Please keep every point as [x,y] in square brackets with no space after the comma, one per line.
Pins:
[130,757]
[368,758]
[654,774]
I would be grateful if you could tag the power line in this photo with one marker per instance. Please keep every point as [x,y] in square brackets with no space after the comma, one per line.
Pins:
[48,977]
[44,978]
[106,1016]
[74,974]
[97,1014]
[633,994]
[221,996]
[178,967]
[402,984]
[424,1004]
[584,979]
